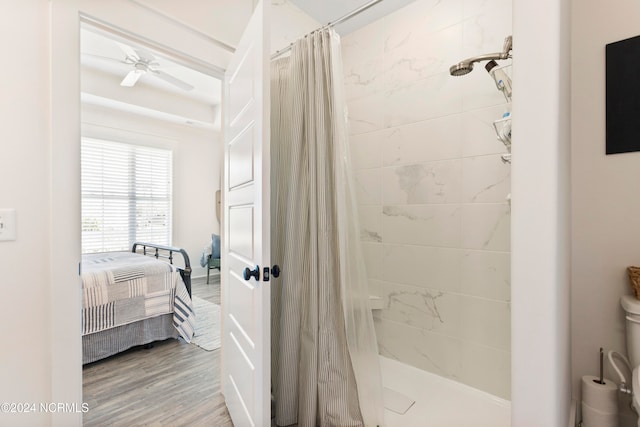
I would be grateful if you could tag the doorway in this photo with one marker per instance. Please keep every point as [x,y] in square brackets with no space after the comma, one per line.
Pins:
[141,25]
[142,105]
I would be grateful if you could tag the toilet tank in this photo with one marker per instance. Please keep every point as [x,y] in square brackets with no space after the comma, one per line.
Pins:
[631,306]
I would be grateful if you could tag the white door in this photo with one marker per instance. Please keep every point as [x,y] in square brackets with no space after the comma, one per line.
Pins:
[246,341]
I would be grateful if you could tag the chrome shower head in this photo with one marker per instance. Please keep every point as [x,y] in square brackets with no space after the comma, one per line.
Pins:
[461,68]
[466,66]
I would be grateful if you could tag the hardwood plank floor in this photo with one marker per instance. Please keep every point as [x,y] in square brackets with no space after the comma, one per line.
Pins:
[171,384]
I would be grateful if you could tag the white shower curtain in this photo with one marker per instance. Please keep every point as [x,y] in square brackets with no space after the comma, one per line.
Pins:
[325,366]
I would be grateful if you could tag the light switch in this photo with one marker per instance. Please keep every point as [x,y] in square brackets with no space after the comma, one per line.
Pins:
[7,224]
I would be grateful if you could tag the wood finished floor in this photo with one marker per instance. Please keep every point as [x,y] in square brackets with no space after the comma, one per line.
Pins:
[171,384]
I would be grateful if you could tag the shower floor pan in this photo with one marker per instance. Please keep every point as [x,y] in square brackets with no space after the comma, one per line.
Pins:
[440,402]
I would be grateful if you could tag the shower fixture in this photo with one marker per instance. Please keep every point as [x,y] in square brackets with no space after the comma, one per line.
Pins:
[502,80]
[466,66]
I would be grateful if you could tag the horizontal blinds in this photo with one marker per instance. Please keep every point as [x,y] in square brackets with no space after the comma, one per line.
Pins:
[126,195]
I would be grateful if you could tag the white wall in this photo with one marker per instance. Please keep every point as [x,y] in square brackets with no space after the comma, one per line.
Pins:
[37,362]
[25,359]
[606,223]
[432,187]
[540,224]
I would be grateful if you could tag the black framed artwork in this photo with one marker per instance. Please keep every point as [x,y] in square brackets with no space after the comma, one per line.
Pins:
[623,96]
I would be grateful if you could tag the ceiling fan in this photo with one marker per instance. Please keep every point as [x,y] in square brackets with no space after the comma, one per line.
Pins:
[143,62]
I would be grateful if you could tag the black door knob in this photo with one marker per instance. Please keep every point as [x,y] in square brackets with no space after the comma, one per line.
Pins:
[275,270]
[247,273]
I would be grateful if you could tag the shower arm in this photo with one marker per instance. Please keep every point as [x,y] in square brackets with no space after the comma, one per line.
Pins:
[465,66]
[487,57]
[505,54]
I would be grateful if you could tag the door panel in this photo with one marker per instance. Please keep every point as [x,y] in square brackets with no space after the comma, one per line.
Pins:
[241,158]
[241,82]
[242,306]
[241,231]
[246,338]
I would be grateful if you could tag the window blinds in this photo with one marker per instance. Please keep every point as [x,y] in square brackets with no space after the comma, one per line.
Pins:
[126,195]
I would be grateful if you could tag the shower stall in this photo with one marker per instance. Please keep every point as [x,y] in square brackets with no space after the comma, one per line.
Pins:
[433,181]
[431,157]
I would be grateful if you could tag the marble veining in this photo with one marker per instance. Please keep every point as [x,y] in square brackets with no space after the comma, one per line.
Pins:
[426,183]
[385,351]
[433,363]
[426,141]
[421,300]
[394,211]
[486,226]
[486,179]
[357,123]
[493,231]
[431,187]
[390,43]
[429,225]
[396,150]
[486,274]
[478,134]
[358,79]
[370,236]
[485,189]
[410,177]
[411,67]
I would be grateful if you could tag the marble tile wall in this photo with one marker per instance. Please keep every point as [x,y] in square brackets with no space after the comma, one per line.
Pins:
[432,187]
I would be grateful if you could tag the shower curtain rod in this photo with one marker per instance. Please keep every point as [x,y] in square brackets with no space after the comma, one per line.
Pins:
[332,24]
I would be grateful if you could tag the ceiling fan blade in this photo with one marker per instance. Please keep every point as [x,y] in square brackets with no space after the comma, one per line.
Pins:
[129,51]
[131,78]
[170,79]
[103,58]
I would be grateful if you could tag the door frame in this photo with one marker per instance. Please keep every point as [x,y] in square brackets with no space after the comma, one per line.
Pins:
[65,124]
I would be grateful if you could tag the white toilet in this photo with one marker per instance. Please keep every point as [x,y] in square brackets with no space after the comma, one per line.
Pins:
[631,307]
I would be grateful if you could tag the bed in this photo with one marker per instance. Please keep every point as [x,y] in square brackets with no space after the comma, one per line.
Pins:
[134,298]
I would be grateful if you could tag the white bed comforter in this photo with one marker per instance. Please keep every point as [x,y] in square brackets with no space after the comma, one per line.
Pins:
[123,287]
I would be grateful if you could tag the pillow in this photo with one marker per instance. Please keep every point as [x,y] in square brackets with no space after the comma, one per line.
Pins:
[215,246]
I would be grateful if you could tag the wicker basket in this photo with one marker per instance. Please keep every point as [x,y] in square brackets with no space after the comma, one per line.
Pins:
[634,279]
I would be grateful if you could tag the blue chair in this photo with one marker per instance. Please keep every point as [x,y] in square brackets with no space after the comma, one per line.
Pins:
[213,260]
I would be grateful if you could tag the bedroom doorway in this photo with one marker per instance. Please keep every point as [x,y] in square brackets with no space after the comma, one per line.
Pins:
[139,104]
[190,36]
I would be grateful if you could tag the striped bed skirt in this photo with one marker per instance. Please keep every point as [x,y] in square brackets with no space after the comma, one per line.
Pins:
[106,343]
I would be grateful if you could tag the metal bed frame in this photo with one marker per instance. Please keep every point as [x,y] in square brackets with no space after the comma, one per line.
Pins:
[108,342]
[166,252]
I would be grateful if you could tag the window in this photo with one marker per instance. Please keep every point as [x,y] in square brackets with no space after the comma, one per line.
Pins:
[126,195]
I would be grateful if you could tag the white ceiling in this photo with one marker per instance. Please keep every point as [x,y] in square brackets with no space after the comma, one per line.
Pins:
[326,11]
[221,20]
[103,66]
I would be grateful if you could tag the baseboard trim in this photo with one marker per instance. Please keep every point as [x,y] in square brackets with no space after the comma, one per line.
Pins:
[573,413]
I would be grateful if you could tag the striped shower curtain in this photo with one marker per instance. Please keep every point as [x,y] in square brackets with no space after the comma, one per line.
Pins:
[325,366]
